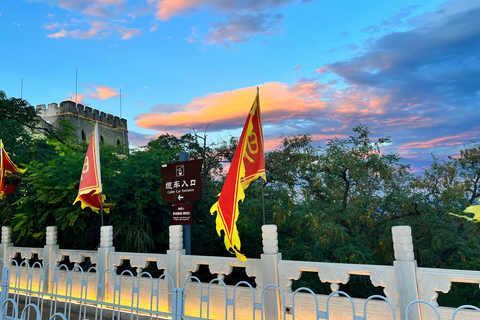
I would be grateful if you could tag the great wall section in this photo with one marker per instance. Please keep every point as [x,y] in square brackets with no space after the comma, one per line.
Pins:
[112,129]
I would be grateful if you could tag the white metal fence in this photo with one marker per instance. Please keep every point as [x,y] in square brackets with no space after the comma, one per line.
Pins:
[78,294]
[103,292]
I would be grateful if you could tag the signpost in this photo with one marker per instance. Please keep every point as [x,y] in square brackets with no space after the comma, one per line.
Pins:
[181,183]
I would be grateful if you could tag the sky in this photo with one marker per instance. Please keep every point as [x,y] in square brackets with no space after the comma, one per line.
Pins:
[406,69]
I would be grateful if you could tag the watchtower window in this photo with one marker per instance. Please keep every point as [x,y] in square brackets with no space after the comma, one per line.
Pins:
[83,136]
[118,142]
[101,139]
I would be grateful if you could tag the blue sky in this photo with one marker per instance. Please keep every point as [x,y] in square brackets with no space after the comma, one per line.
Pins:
[406,69]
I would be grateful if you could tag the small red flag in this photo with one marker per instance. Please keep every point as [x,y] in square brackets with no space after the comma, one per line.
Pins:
[90,188]
[7,167]
[247,165]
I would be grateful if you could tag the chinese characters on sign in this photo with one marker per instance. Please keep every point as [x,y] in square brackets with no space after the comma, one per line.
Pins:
[182,181]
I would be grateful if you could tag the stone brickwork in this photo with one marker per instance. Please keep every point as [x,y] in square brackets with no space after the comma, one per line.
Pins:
[112,130]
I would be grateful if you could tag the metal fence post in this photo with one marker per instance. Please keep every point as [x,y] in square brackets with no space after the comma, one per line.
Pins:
[178,297]
[5,285]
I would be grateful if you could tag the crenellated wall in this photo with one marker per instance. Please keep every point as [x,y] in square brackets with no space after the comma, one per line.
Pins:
[112,130]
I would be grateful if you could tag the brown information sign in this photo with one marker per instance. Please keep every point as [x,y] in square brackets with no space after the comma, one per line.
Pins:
[182,213]
[182,181]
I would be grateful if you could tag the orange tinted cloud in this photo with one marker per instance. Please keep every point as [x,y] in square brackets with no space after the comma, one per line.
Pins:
[278,102]
[271,144]
[169,8]
[103,92]
[78,98]
[96,92]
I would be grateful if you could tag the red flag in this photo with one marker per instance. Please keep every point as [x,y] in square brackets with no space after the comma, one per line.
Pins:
[7,167]
[90,188]
[247,165]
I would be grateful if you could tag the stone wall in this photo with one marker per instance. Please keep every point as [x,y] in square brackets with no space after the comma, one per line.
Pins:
[112,130]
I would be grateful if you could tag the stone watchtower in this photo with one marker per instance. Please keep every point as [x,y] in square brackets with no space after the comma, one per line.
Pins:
[111,130]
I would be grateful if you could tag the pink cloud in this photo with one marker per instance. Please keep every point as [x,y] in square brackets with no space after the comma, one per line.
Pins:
[128,33]
[153,28]
[104,92]
[358,103]
[96,93]
[138,139]
[169,8]
[438,142]
[96,31]
[54,25]
[94,8]
[271,144]
[78,98]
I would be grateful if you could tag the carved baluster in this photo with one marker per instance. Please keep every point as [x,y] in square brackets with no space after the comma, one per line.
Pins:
[405,270]
[176,237]
[106,247]
[173,255]
[6,235]
[270,260]
[50,247]
[51,236]
[270,241]
[106,237]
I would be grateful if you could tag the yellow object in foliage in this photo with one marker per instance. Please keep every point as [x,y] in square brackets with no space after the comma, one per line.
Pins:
[475,209]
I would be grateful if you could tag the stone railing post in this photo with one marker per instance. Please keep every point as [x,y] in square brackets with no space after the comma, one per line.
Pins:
[405,271]
[106,246]
[6,242]
[270,258]
[173,255]
[50,246]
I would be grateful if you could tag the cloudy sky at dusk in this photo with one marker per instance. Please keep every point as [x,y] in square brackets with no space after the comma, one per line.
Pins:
[406,69]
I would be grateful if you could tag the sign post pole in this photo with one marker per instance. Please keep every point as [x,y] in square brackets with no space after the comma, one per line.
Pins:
[182,184]
[183,156]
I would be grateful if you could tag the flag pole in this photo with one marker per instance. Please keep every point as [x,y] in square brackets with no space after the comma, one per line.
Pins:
[263,202]
[97,147]
[263,184]
[101,206]
[76,80]
[1,165]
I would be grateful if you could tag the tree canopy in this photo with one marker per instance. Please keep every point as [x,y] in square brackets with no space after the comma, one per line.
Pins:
[334,203]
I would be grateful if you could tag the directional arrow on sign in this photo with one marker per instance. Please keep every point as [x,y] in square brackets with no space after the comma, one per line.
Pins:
[180,197]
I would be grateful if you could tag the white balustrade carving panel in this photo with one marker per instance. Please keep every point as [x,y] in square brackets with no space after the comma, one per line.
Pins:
[220,266]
